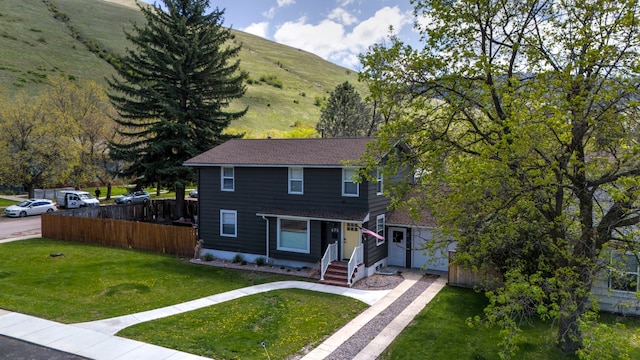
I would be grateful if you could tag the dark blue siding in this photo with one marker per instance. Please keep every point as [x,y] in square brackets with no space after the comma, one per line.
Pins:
[257,189]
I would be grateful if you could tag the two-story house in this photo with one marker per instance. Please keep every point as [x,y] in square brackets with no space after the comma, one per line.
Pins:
[289,201]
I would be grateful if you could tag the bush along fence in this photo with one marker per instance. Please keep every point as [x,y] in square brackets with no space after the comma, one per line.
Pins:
[166,239]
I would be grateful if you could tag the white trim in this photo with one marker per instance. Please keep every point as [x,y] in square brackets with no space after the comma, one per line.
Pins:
[623,272]
[350,180]
[235,222]
[308,218]
[302,251]
[380,228]
[290,179]
[379,182]
[223,177]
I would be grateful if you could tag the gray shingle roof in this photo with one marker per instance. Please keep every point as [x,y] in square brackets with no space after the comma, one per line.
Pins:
[288,152]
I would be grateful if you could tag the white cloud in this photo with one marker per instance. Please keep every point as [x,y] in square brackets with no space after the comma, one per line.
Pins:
[283,3]
[342,16]
[333,41]
[269,14]
[376,27]
[345,2]
[259,29]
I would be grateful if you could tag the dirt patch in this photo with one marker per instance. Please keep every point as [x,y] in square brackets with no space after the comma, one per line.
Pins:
[283,270]
[374,282]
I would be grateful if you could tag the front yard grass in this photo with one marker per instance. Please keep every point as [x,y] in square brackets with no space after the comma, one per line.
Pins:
[6,202]
[285,320]
[86,282]
[442,333]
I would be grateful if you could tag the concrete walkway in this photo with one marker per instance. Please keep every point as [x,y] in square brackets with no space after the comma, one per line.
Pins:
[95,340]
[113,325]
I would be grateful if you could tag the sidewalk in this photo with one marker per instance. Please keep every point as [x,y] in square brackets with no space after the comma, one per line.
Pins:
[95,339]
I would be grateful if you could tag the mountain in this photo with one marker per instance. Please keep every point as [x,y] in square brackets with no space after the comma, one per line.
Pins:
[40,38]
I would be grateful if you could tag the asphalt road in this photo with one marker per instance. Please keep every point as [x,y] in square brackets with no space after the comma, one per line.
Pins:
[12,349]
[19,227]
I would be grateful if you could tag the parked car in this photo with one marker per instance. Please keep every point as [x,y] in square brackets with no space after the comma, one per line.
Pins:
[193,193]
[31,207]
[136,197]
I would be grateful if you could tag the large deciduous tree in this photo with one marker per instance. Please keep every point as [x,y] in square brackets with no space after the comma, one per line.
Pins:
[84,106]
[346,115]
[37,150]
[523,118]
[173,91]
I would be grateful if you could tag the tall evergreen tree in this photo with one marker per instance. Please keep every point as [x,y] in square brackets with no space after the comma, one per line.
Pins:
[173,91]
[345,115]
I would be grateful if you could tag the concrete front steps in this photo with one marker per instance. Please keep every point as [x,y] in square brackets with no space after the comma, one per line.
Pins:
[336,274]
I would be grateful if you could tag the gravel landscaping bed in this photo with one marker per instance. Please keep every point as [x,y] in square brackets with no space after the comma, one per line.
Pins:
[374,282]
[350,348]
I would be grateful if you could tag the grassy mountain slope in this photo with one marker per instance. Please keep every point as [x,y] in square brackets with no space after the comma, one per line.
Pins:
[39,38]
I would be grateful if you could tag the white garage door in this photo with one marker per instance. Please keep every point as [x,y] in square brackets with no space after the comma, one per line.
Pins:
[420,257]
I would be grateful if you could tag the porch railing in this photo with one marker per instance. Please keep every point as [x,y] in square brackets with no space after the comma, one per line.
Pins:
[331,254]
[357,258]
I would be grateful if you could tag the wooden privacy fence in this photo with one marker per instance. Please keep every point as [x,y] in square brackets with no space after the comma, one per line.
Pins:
[166,239]
[459,276]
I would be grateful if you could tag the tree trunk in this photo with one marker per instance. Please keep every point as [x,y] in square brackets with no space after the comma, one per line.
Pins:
[569,335]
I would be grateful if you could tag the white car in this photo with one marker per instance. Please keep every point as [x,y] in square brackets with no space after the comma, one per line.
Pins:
[31,207]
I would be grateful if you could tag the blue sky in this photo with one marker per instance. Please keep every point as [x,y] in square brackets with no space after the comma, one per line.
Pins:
[336,30]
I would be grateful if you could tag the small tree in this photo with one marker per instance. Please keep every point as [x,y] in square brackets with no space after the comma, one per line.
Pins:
[172,92]
[345,115]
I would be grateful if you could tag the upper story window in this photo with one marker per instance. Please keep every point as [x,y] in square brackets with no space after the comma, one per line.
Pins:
[380,222]
[227,180]
[296,181]
[624,273]
[228,223]
[380,182]
[349,187]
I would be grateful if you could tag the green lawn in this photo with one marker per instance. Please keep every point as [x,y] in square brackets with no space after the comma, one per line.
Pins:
[440,332]
[95,282]
[6,202]
[285,320]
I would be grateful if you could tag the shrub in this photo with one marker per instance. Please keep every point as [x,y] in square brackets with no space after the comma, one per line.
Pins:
[261,261]
[208,257]
[238,258]
[271,80]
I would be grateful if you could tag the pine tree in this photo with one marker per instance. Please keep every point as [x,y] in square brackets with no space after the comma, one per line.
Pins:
[345,115]
[173,91]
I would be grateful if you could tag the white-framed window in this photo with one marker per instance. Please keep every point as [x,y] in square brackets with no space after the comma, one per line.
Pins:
[380,182]
[296,181]
[229,223]
[624,272]
[380,229]
[349,187]
[293,235]
[227,179]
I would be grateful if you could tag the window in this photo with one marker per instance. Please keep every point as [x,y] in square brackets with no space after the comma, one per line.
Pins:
[624,272]
[227,182]
[293,235]
[296,181]
[228,223]
[380,183]
[380,229]
[349,188]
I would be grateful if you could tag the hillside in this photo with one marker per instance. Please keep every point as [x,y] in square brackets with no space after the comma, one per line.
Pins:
[39,38]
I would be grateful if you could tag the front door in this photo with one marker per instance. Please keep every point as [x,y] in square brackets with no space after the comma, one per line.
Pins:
[398,247]
[351,233]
